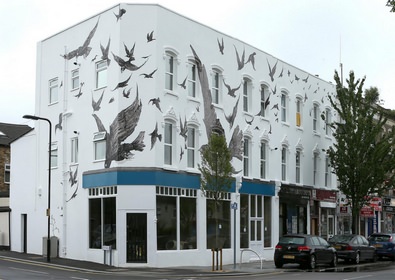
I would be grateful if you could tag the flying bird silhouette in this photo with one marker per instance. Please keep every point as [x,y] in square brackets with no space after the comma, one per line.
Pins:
[181,153]
[154,135]
[184,129]
[281,74]
[73,177]
[121,128]
[251,58]
[305,80]
[83,50]
[156,102]
[231,91]
[96,104]
[112,99]
[240,60]
[272,71]
[149,76]
[274,90]
[126,93]
[221,46]
[130,53]
[127,65]
[105,51]
[120,14]
[80,91]
[59,124]
[183,84]
[296,78]
[231,118]
[150,37]
[122,84]
[275,106]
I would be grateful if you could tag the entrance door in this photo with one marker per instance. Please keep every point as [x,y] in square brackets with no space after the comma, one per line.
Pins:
[331,226]
[136,237]
[24,233]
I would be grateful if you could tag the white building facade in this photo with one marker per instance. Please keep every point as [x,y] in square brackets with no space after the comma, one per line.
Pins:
[132,94]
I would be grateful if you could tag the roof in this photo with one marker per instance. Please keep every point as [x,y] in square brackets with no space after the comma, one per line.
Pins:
[10,132]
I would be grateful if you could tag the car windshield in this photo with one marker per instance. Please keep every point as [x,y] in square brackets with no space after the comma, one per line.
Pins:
[341,238]
[292,240]
[380,238]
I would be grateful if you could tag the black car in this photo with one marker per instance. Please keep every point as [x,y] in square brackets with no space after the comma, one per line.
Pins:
[353,248]
[384,244]
[306,250]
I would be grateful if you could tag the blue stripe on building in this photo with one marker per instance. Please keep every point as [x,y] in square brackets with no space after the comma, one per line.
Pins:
[164,178]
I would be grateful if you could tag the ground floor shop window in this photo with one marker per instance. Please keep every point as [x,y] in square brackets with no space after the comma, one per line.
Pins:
[102,222]
[218,223]
[176,218]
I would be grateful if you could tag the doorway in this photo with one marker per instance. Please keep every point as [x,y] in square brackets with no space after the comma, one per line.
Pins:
[24,233]
[136,237]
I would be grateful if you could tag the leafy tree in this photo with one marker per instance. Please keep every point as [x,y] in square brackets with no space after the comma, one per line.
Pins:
[372,95]
[216,172]
[361,155]
[391,4]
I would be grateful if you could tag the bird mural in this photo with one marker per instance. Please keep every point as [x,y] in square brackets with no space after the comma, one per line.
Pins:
[240,60]
[150,37]
[123,84]
[251,59]
[183,84]
[59,124]
[156,102]
[129,53]
[150,75]
[120,14]
[83,50]
[231,118]
[184,129]
[154,136]
[231,91]
[96,104]
[80,91]
[272,71]
[73,177]
[125,93]
[121,128]
[105,51]
[221,45]
[127,65]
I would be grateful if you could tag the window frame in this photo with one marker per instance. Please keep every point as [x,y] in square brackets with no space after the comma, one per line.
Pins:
[284,159]
[327,171]
[99,140]
[298,167]
[169,147]
[328,120]
[216,86]
[247,91]
[191,149]
[101,75]
[7,173]
[53,91]
[192,84]
[75,79]
[170,72]
[315,117]
[264,94]
[284,107]
[74,150]
[247,156]
[263,160]
[299,112]
[54,155]
[315,168]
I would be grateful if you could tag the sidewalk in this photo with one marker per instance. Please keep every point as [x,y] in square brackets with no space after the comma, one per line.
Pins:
[244,269]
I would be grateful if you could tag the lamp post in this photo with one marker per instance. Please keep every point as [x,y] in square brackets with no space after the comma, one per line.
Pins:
[31,117]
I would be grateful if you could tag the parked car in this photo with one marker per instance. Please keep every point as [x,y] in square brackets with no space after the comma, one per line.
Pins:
[353,247]
[306,250]
[384,243]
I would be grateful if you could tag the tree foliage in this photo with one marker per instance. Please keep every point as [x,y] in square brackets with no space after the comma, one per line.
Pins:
[372,95]
[361,155]
[216,168]
[391,4]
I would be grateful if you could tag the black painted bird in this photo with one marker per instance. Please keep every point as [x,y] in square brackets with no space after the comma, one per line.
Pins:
[156,102]
[120,14]
[240,60]
[184,129]
[275,106]
[150,37]
[181,153]
[251,58]
[59,124]
[127,65]
[221,46]
[96,104]
[130,53]
[183,84]
[231,91]
[149,76]
[272,71]
[83,50]
[105,52]
[231,118]
[121,128]
[154,135]
[126,93]
[73,177]
[305,80]
[122,84]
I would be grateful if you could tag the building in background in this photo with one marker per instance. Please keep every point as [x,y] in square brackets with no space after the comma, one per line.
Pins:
[133,94]
[8,133]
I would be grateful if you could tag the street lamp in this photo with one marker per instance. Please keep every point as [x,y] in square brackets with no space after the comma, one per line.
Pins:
[31,117]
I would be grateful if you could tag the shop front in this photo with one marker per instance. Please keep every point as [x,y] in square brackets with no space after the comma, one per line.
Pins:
[323,212]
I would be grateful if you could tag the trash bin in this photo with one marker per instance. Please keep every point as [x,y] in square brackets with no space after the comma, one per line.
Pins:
[54,246]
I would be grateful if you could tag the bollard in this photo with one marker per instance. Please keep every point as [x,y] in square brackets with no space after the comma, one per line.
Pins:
[212,258]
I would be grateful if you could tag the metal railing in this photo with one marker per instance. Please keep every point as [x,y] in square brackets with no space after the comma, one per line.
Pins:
[245,250]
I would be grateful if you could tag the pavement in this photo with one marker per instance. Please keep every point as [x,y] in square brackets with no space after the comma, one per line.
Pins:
[247,268]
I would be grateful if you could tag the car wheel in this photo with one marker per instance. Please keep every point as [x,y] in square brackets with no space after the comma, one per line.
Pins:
[357,258]
[334,261]
[278,264]
[313,262]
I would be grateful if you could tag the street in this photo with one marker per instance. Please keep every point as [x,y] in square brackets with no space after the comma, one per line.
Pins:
[20,269]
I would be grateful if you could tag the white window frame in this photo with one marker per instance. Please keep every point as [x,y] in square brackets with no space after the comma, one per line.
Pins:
[298,167]
[246,156]
[247,89]
[54,155]
[264,95]
[192,79]
[170,70]
[53,91]
[284,107]
[256,218]
[74,150]
[169,143]
[216,87]
[328,121]
[7,173]
[263,160]
[101,68]
[315,168]
[315,117]
[283,169]
[327,172]
[75,79]
[299,112]
[191,147]
[99,143]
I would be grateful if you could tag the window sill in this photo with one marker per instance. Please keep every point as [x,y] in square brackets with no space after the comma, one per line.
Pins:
[170,168]
[172,93]
[192,170]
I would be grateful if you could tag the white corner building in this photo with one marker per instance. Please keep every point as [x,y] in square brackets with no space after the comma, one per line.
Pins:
[132,94]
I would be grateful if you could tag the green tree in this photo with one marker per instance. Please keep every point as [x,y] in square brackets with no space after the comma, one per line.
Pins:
[391,4]
[362,154]
[372,95]
[216,172]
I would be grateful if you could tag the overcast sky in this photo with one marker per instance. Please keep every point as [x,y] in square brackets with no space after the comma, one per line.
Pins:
[313,35]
